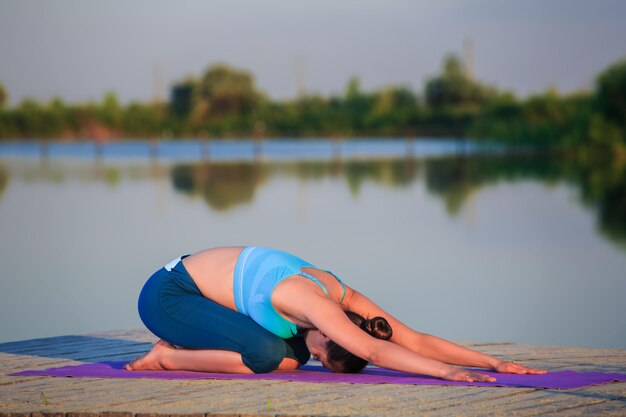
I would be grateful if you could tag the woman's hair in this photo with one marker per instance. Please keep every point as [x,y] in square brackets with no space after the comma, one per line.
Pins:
[343,361]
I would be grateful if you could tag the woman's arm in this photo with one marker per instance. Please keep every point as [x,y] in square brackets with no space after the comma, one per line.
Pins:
[430,346]
[330,319]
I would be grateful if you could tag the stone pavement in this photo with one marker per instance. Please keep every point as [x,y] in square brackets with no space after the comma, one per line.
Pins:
[97,397]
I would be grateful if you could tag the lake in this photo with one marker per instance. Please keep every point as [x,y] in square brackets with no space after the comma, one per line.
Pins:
[467,242]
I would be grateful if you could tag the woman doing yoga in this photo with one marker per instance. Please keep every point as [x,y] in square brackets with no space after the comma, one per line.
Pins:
[253,309]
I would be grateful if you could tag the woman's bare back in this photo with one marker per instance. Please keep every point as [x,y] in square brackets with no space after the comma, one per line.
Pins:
[212,270]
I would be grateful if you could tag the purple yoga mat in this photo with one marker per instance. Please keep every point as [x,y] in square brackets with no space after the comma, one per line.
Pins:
[310,373]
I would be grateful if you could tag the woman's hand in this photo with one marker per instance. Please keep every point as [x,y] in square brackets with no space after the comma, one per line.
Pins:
[511,367]
[467,376]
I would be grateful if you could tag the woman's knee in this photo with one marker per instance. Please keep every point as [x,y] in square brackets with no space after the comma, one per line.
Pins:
[264,355]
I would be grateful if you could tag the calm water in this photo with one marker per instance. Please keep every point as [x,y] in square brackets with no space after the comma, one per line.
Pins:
[455,243]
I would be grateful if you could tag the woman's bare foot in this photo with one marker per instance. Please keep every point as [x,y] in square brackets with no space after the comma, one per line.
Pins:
[152,360]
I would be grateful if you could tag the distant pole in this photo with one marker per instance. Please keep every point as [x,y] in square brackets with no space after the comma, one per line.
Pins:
[206,146]
[44,153]
[336,145]
[158,83]
[154,148]
[410,167]
[300,75]
[97,154]
[257,138]
[409,143]
[44,149]
[98,149]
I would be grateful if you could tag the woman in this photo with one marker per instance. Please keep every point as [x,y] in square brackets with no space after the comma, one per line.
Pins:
[252,309]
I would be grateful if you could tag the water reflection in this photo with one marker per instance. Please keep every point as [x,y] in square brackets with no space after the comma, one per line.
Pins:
[226,185]
[391,173]
[601,185]
[4,180]
[456,179]
[222,186]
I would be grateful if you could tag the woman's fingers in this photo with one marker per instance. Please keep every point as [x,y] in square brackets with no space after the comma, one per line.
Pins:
[476,377]
[516,368]
[468,376]
[505,367]
[535,371]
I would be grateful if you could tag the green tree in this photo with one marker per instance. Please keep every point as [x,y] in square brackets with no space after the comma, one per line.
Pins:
[110,112]
[353,90]
[4,97]
[611,93]
[144,119]
[454,88]
[181,97]
[29,119]
[4,180]
[394,112]
[356,105]
[56,116]
[224,92]
[500,118]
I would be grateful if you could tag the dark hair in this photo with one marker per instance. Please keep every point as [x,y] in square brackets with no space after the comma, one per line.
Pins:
[343,361]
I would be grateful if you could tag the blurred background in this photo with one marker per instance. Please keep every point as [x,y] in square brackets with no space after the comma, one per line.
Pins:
[461,163]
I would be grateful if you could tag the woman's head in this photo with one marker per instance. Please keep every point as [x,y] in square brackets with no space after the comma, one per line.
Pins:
[339,359]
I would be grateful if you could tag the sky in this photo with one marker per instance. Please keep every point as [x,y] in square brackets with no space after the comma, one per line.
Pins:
[80,49]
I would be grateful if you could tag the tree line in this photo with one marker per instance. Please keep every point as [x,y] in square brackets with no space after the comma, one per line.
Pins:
[225,102]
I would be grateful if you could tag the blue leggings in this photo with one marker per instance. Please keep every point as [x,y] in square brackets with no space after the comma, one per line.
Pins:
[173,308]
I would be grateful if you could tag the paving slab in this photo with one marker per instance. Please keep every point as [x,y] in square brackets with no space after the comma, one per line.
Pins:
[100,397]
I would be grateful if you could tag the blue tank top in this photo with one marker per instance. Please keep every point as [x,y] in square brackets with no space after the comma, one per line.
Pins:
[257,272]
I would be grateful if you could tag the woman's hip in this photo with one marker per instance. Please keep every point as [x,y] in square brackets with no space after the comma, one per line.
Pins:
[169,291]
